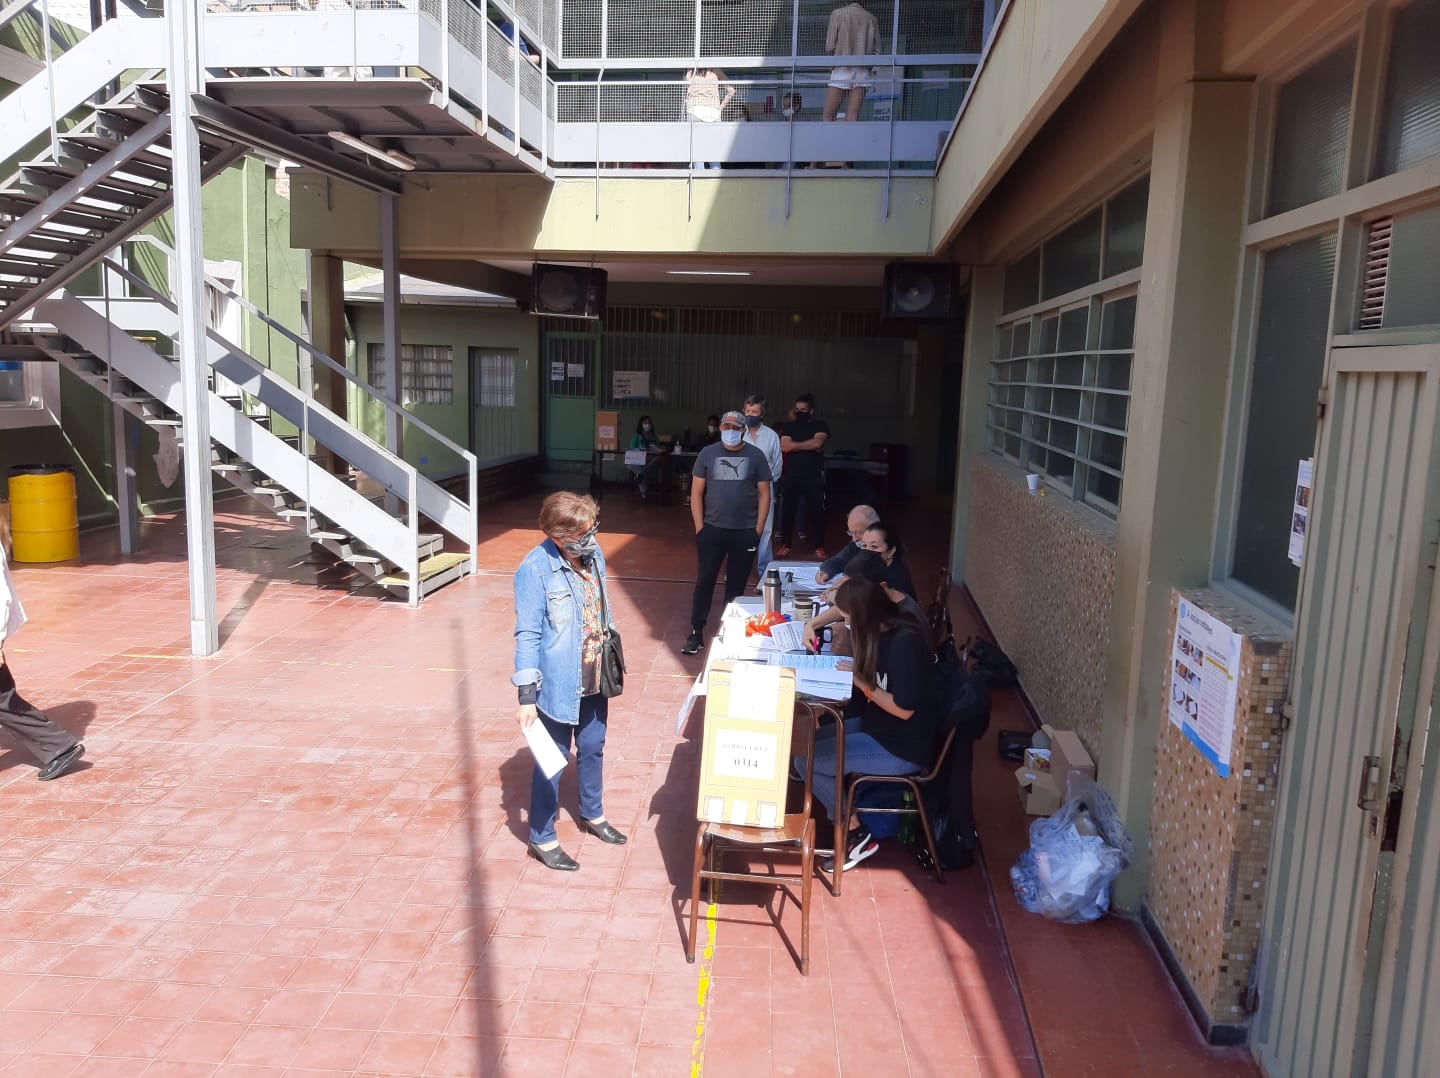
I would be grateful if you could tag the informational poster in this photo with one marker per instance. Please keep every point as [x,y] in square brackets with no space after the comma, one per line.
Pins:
[630,385]
[1300,515]
[1205,676]
[575,370]
[557,372]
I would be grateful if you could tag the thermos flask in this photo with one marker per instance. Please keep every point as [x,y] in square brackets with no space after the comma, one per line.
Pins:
[771,591]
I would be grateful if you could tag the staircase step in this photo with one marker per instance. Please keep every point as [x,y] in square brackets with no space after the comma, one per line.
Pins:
[362,559]
[332,536]
[52,244]
[449,566]
[292,514]
[18,204]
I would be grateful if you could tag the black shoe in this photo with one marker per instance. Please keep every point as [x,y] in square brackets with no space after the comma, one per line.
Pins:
[62,764]
[604,831]
[861,846]
[555,858]
[693,643]
[851,839]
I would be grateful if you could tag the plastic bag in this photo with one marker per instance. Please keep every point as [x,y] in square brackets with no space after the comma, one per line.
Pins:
[1074,856]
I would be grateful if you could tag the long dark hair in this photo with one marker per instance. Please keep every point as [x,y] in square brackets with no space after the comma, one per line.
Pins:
[891,537]
[870,612]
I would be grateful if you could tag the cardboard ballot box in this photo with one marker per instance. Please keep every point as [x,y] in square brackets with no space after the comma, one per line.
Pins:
[1042,788]
[607,431]
[745,763]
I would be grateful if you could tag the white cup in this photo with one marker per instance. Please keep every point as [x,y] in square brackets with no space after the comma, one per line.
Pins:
[1033,482]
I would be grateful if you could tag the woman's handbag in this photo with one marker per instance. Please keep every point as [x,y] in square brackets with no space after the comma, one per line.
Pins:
[612,653]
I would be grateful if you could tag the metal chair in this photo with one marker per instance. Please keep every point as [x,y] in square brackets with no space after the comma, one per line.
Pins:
[797,831]
[916,785]
[938,612]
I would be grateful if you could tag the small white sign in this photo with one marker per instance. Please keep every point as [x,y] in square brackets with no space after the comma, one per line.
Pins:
[557,372]
[1300,512]
[630,385]
[1204,683]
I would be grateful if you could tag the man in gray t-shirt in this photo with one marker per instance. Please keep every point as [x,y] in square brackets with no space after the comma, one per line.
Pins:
[729,502]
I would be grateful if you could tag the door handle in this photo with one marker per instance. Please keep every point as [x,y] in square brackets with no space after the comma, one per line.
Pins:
[1370,773]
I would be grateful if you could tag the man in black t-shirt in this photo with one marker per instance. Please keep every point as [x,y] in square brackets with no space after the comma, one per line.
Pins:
[802,440]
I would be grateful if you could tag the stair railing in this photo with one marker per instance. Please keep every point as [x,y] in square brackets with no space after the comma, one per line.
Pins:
[312,354]
[309,405]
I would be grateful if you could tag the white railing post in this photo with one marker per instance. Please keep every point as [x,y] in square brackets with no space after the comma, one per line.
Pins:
[604,29]
[794,39]
[304,370]
[413,551]
[474,515]
[517,45]
[484,72]
[445,55]
[50,80]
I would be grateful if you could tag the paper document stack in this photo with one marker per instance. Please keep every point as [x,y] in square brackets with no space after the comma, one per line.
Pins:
[816,675]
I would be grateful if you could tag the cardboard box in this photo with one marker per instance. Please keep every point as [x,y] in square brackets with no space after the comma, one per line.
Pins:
[607,431]
[1042,791]
[745,762]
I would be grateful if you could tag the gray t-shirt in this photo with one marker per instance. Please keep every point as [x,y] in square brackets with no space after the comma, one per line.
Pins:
[732,478]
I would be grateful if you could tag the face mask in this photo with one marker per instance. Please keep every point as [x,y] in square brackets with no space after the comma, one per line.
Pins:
[731,438]
[752,421]
[647,427]
[802,413]
[788,112]
[583,548]
[713,428]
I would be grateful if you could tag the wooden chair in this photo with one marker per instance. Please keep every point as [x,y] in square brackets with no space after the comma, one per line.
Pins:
[796,832]
[916,785]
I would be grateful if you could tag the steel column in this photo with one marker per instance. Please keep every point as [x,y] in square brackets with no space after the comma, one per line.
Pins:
[184,79]
[390,286]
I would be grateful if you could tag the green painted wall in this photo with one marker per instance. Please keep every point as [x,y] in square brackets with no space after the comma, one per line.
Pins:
[462,328]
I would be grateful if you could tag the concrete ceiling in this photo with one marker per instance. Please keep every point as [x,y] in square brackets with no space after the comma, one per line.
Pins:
[769,273]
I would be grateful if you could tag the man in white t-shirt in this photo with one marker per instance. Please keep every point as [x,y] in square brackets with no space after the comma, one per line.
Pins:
[767,441]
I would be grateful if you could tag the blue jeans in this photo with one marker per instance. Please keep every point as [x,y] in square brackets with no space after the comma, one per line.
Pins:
[589,736]
[767,542]
[863,756]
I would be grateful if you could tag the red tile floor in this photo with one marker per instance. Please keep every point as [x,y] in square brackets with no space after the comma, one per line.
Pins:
[304,856]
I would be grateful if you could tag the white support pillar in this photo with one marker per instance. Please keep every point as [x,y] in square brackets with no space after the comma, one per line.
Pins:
[390,284]
[127,495]
[185,78]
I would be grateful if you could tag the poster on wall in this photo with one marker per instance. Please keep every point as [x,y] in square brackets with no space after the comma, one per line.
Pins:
[557,372]
[630,385]
[574,370]
[1205,674]
[1300,514]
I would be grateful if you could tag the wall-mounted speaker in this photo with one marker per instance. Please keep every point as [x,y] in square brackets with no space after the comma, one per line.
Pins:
[919,290]
[568,291]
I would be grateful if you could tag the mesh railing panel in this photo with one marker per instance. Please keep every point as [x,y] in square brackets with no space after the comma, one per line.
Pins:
[502,54]
[580,29]
[640,29]
[467,27]
[753,28]
[530,82]
[530,15]
[550,26]
[938,26]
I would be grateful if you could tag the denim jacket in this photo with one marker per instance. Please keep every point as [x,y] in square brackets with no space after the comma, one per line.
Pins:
[547,629]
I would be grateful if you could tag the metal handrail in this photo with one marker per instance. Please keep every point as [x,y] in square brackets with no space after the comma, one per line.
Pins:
[13,11]
[315,353]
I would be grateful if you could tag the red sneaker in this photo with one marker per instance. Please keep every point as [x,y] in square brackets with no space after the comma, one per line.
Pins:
[781,550]
[820,554]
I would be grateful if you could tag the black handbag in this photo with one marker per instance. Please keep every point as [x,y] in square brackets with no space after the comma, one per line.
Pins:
[612,653]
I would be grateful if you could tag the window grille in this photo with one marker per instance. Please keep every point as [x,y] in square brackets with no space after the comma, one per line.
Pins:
[1377,273]
[427,373]
[497,378]
[1059,394]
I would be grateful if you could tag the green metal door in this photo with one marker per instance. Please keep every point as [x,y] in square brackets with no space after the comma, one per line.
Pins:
[1361,645]
[571,366]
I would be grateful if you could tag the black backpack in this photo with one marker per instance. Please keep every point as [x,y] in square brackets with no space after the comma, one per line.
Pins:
[988,663]
[964,698]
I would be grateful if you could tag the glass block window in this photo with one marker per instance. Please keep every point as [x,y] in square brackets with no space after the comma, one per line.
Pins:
[1312,117]
[1059,395]
[1290,350]
[427,373]
[1410,117]
[1107,241]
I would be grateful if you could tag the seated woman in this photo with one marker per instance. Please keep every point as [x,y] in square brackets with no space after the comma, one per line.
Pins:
[646,439]
[712,431]
[885,541]
[870,566]
[890,726]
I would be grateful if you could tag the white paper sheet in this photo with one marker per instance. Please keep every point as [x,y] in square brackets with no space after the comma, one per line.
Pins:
[788,635]
[754,691]
[547,754]
[816,674]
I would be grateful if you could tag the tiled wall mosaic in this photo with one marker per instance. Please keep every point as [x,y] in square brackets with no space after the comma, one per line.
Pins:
[1210,837]
[1043,573]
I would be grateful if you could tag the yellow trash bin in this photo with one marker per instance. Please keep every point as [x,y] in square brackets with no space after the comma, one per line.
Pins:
[44,521]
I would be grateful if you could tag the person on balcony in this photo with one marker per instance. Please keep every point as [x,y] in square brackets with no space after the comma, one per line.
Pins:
[52,745]
[852,31]
[705,101]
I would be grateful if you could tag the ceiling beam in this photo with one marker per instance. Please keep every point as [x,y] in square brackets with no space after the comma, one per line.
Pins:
[461,273]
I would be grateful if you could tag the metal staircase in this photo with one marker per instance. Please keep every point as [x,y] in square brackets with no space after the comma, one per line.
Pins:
[103,181]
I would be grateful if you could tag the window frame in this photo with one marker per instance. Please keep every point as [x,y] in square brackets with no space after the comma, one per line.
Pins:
[411,358]
[41,407]
[1364,196]
[1092,299]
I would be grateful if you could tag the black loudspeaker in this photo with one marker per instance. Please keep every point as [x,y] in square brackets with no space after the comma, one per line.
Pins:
[919,290]
[568,291]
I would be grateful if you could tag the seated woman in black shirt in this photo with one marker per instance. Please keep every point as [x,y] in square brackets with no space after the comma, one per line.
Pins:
[885,541]
[890,725]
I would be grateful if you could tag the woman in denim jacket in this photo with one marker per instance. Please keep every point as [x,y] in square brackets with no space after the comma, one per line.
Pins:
[560,608]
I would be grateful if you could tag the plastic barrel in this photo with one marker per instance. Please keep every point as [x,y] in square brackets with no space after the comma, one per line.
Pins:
[44,521]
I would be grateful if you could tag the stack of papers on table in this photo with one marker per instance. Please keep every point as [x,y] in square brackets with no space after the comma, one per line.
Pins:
[797,577]
[816,675]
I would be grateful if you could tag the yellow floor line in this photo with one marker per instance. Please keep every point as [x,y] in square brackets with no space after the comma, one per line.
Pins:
[702,993]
